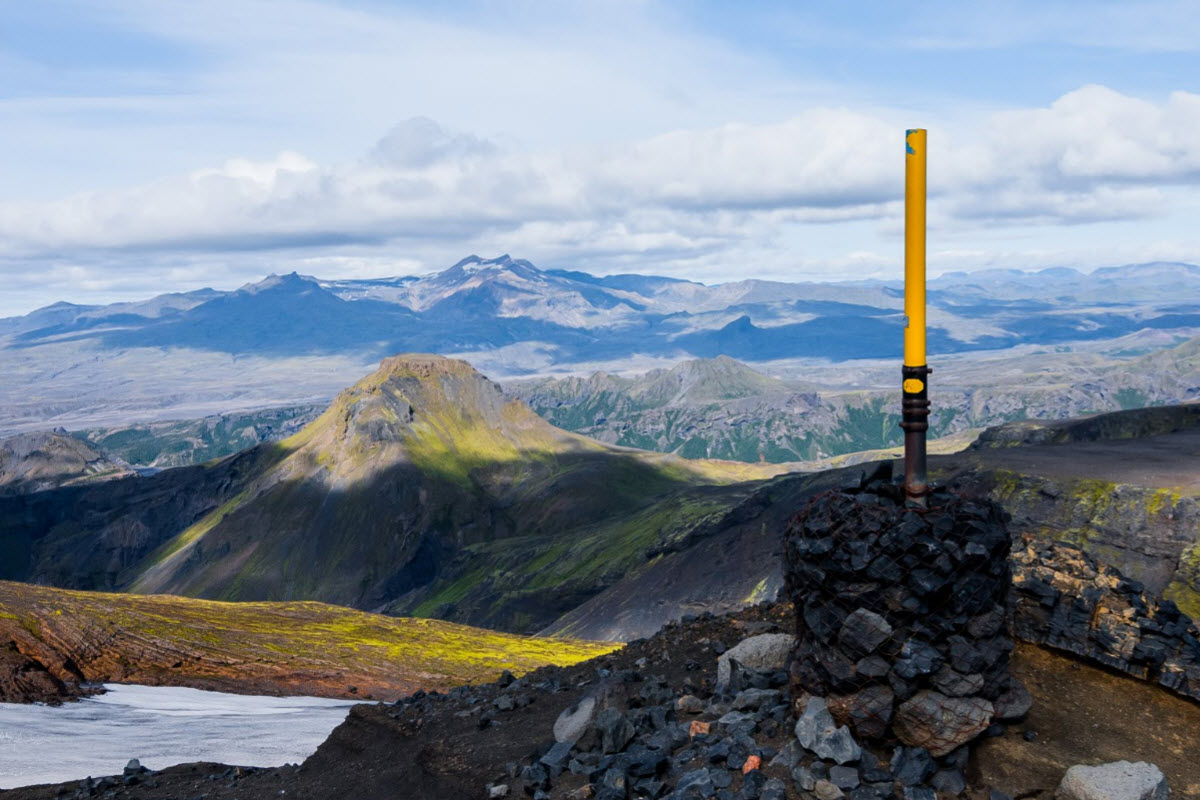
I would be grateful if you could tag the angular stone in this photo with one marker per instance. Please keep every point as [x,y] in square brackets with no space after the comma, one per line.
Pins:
[754,699]
[803,778]
[752,784]
[917,658]
[614,786]
[615,730]
[964,658]
[557,756]
[919,793]
[867,712]
[939,723]
[689,704]
[863,632]
[1014,704]
[955,684]
[766,653]
[788,755]
[845,778]
[839,746]
[949,781]
[822,620]
[773,789]
[872,667]
[695,784]
[838,671]
[989,623]
[824,790]
[911,765]
[817,732]
[736,721]
[1120,780]
[574,721]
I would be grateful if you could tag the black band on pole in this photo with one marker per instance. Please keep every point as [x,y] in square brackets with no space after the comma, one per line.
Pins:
[915,422]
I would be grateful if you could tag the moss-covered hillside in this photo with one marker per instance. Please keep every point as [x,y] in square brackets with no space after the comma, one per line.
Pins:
[260,648]
[422,490]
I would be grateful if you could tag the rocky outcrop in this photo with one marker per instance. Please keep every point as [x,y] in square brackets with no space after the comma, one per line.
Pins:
[1145,531]
[52,641]
[24,679]
[1064,599]
[35,462]
[1135,423]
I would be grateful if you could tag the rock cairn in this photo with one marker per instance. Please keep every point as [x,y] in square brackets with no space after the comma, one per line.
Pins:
[900,615]
[1063,599]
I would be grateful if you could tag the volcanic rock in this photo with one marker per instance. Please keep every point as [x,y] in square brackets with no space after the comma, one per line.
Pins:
[939,723]
[867,712]
[1119,780]
[817,732]
[615,730]
[766,653]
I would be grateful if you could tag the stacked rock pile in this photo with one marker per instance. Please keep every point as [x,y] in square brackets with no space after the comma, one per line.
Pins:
[900,615]
[1063,599]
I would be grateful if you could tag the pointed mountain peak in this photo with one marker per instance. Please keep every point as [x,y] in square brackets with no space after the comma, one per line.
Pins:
[292,281]
[473,264]
[419,398]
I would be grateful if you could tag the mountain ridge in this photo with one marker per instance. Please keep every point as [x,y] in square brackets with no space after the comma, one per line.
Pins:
[510,318]
[413,483]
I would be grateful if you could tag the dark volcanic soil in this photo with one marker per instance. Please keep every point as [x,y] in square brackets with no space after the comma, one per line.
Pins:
[434,748]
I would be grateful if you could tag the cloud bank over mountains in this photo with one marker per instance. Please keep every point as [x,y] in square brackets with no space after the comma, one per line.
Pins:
[1094,154]
[701,143]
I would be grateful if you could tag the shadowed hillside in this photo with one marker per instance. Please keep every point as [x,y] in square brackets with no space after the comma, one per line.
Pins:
[422,489]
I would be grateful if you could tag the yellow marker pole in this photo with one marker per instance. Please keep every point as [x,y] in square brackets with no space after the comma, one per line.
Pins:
[914,372]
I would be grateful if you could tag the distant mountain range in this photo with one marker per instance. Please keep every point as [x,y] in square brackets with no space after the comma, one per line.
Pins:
[292,338]
[480,304]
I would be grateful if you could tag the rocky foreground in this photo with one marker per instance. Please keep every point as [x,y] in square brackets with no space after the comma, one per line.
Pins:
[663,718]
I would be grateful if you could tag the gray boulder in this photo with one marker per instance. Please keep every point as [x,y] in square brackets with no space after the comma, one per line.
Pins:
[1119,780]
[767,652]
[575,720]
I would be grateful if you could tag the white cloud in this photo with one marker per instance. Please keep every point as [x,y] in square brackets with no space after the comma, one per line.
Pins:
[1094,154]
[794,194]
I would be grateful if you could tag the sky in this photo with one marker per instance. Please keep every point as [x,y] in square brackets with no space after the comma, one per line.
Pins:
[154,147]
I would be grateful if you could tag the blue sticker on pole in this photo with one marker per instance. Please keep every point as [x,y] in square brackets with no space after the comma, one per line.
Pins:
[908,148]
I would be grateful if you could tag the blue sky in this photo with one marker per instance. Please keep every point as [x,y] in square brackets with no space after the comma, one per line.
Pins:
[167,146]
